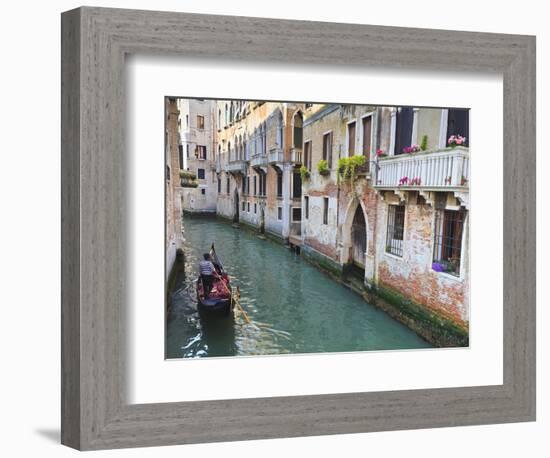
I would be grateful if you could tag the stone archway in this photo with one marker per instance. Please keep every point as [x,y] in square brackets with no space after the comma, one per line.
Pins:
[358,238]
[354,236]
[355,206]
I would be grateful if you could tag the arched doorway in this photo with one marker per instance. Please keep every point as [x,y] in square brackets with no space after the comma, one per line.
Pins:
[236,214]
[358,238]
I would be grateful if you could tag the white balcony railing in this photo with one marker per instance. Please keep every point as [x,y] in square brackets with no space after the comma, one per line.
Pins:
[275,155]
[296,155]
[448,169]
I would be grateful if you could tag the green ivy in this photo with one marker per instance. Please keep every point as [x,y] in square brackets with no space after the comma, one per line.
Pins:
[304,173]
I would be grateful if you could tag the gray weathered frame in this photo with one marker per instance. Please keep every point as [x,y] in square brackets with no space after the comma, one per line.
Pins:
[95,41]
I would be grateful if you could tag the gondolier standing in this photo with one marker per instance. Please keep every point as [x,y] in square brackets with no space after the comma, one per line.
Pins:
[207,272]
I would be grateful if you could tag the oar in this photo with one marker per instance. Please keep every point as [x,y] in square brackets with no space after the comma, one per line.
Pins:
[238,302]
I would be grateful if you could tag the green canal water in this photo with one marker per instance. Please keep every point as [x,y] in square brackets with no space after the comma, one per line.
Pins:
[293,307]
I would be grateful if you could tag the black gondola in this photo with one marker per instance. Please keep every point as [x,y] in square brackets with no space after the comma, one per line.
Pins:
[219,302]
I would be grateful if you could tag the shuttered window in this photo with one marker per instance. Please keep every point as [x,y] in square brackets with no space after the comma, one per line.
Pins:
[327,148]
[458,123]
[351,139]
[403,128]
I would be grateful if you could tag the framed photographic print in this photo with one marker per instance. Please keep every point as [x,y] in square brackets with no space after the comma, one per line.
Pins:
[269,235]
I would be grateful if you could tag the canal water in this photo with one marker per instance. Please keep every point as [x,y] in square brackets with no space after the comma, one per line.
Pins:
[292,306]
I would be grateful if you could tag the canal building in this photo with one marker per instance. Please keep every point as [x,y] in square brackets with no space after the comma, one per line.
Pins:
[397,227]
[173,228]
[258,159]
[197,129]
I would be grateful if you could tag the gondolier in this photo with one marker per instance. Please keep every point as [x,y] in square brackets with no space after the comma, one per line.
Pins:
[207,273]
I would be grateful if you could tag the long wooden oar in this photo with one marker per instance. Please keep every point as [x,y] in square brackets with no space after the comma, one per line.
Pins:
[237,299]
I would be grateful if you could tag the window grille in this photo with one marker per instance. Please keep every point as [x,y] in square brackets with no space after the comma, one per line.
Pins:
[449,226]
[396,225]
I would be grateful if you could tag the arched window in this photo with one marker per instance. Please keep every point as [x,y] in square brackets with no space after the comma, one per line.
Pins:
[231,112]
[264,139]
[226,115]
[219,118]
[229,151]
[297,130]
[280,130]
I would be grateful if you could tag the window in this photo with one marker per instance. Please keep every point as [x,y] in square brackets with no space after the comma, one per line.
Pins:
[200,174]
[296,185]
[327,148]
[187,120]
[203,191]
[279,213]
[458,123]
[248,207]
[309,105]
[306,206]
[263,183]
[243,185]
[180,151]
[255,208]
[187,150]
[219,185]
[298,122]
[367,138]
[200,122]
[244,205]
[307,155]
[396,225]
[296,214]
[200,152]
[403,128]
[449,226]
[351,139]
[227,185]
[325,210]
[254,184]
[247,184]
[279,184]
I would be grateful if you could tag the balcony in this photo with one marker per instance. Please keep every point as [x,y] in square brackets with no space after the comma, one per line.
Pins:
[259,160]
[296,156]
[238,166]
[276,157]
[442,170]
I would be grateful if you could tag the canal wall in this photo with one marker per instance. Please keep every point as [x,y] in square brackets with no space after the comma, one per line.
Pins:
[439,330]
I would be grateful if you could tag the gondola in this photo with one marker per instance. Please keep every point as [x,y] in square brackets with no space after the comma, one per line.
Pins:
[219,302]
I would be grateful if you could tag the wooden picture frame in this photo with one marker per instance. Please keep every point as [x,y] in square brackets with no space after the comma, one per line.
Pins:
[95,413]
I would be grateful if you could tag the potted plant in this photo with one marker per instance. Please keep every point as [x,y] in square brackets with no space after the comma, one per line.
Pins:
[380,153]
[322,168]
[304,173]
[456,140]
[411,149]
